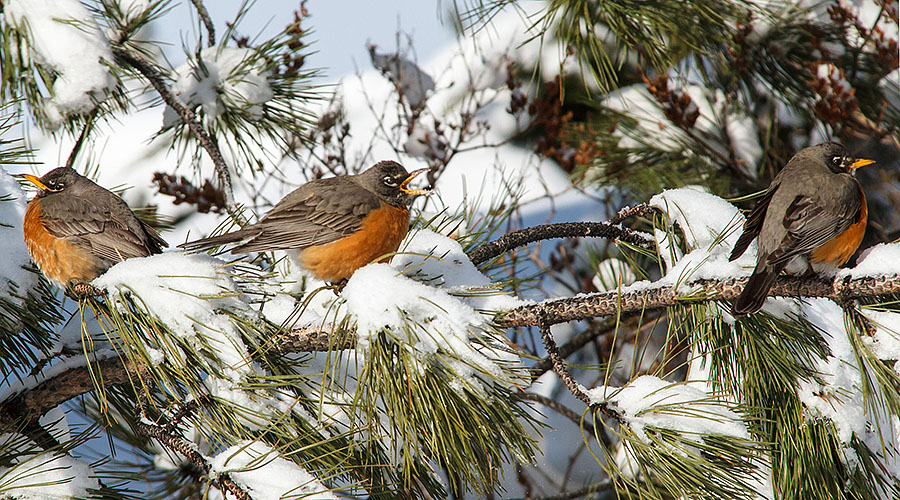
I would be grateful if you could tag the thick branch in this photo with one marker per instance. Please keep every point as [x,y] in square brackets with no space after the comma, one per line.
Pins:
[312,339]
[187,115]
[607,304]
[34,403]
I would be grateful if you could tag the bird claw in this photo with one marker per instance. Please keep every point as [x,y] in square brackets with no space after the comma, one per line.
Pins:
[338,286]
[80,290]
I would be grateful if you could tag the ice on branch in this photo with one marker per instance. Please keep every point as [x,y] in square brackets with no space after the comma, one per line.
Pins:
[262,473]
[222,79]
[63,36]
[15,280]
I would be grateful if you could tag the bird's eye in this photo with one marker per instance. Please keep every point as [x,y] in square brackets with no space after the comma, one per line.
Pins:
[837,160]
[389,181]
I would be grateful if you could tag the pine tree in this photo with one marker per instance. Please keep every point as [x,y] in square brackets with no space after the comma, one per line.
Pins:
[195,376]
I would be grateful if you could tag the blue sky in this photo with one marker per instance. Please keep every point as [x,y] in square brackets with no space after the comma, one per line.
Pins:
[341,28]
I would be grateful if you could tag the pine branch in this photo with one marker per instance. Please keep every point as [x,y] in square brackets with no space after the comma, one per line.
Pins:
[606,304]
[208,143]
[525,236]
[312,339]
[177,443]
[52,392]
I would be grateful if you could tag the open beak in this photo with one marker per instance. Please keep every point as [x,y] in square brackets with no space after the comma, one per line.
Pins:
[36,181]
[413,175]
[861,163]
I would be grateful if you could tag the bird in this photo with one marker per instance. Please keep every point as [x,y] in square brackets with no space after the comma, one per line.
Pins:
[75,229]
[337,224]
[811,217]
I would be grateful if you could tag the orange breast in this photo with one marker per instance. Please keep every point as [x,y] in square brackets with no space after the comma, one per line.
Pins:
[839,249]
[58,259]
[381,233]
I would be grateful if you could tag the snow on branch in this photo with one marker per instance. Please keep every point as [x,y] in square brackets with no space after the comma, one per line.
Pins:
[208,143]
[611,303]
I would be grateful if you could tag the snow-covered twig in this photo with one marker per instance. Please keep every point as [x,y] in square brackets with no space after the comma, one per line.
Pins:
[606,304]
[187,115]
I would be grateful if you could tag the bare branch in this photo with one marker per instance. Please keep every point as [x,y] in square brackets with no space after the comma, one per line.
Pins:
[572,346]
[564,411]
[207,21]
[559,365]
[525,236]
[208,143]
[591,490]
[177,443]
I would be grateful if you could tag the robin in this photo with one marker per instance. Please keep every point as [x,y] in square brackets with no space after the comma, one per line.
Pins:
[338,224]
[814,213]
[76,230]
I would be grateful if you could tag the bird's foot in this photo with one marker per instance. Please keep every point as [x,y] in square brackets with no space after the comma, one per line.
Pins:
[80,290]
[338,286]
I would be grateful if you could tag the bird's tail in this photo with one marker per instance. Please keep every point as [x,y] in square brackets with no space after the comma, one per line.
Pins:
[755,291]
[215,241]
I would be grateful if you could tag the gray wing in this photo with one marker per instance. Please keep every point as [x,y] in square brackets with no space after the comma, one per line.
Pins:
[106,227]
[314,214]
[753,224]
[811,223]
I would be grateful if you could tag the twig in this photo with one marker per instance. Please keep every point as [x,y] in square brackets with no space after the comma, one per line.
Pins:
[179,444]
[604,485]
[629,212]
[81,137]
[522,237]
[207,21]
[559,365]
[606,304]
[571,347]
[81,291]
[564,411]
[188,116]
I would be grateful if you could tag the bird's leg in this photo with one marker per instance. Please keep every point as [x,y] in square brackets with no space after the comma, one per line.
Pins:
[338,286]
[79,290]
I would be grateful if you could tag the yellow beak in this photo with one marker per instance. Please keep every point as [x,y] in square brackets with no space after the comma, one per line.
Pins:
[861,163]
[409,179]
[36,181]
